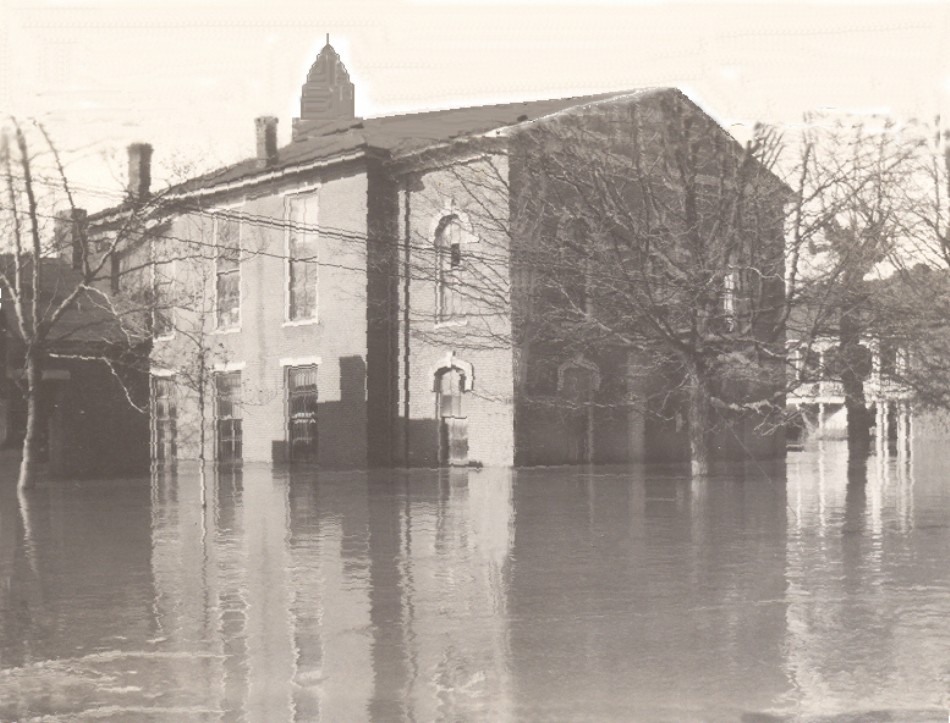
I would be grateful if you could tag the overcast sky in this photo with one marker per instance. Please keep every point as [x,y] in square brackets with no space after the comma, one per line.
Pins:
[189,76]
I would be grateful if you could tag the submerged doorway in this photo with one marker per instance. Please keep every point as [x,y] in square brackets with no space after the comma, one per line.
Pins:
[578,380]
[453,424]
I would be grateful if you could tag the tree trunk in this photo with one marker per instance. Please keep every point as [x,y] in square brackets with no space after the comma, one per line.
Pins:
[697,413]
[28,461]
[853,372]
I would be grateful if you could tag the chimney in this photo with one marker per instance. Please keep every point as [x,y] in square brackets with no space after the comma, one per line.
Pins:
[68,235]
[140,170]
[266,127]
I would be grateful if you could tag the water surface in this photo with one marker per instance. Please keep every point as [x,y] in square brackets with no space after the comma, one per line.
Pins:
[810,592]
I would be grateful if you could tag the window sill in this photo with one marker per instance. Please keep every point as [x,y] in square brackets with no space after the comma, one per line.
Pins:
[449,323]
[164,337]
[301,322]
[222,332]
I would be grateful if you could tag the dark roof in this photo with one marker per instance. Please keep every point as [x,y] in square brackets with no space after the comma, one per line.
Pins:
[87,322]
[397,134]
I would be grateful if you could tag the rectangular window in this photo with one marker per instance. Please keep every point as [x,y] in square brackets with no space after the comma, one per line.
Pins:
[163,272]
[302,253]
[164,420]
[227,397]
[730,284]
[302,412]
[228,272]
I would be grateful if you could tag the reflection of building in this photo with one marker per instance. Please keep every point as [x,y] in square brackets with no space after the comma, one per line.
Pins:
[863,562]
[339,319]
[339,597]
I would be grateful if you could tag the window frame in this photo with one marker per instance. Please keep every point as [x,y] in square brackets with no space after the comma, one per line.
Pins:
[307,192]
[448,278]
[168,422]
[218,214]
[170,313]
[290,395]
[234,422]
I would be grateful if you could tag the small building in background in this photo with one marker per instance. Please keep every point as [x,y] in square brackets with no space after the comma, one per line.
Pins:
[93,404]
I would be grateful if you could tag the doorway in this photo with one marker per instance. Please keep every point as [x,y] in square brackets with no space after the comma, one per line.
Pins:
[453,424]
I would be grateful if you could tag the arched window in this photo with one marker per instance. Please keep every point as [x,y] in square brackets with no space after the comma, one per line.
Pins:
[576,235]
[448,250]
[578,379]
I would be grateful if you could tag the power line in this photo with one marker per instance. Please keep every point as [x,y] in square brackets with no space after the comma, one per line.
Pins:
[353,236]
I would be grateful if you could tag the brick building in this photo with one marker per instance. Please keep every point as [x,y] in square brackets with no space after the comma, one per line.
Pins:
[311,298]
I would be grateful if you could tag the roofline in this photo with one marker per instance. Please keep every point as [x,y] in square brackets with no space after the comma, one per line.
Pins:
[108,214]
[277,174]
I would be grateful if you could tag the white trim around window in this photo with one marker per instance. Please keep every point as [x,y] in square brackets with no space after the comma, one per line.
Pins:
[300,361]
[229,366]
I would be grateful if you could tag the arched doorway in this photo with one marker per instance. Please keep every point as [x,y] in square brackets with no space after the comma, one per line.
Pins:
[578,380]
[453,424]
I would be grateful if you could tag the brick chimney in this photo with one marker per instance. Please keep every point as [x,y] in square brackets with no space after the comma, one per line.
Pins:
[140,170]
[266,127]
[68,235]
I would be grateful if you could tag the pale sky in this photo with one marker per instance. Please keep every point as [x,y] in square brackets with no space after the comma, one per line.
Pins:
[189,76]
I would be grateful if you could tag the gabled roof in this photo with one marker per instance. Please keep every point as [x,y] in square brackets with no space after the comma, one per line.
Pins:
[323,143]
[87,322]
[396,135]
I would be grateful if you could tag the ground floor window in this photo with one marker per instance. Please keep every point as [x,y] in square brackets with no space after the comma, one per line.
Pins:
[164,420]
[302,412]
[228,416]
[453,424]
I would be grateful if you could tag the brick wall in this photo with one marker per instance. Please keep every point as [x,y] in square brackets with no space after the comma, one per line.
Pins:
[478,340]
[266,341]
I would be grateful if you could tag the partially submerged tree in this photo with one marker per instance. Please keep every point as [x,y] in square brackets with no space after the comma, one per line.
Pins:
[640,236]
[849,221]
[52,267]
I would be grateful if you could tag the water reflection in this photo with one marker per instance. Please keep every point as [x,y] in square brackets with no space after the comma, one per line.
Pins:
[867,585]
[580,594]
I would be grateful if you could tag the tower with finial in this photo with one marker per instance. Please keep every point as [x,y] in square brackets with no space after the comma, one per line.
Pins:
[328,94]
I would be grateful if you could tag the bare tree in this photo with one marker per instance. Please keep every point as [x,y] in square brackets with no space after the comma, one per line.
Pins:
[183,289]
[36,190]
[638,233]
[849,221]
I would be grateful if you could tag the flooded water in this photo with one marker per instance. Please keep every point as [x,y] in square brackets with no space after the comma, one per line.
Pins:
[808,593]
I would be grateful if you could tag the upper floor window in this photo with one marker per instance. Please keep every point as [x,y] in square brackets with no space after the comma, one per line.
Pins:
[227,238]
[887,358]
[164,419]
[163,274]
[302,266]
[579,246]
[448,249]
[730,285]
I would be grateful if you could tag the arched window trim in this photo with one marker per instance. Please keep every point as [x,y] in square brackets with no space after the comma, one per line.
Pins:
[448,263]
[450,361]
[579,362]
